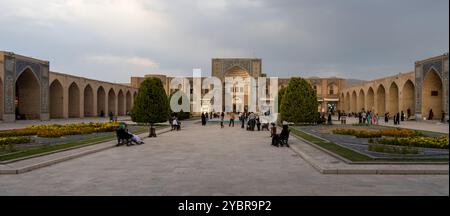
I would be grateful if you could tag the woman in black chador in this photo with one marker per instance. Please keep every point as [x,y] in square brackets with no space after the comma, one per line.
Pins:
[203,119]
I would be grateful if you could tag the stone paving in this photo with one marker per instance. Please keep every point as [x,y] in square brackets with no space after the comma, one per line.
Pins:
[207,161]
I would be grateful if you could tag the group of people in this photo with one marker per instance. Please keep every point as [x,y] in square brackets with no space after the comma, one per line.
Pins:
[368,117]
[175,123]
[253,121]
[325,118]
[125,137]
[282,138]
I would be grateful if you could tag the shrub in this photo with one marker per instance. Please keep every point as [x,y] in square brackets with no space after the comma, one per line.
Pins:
[8,144]
[182,115]
[393,149]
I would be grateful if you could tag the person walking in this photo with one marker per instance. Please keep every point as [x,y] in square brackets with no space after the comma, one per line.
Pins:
[222,117]
[430,115]
[111,116]
[252,121]
[231,119]
[203,119]
[258,123]
[398,118]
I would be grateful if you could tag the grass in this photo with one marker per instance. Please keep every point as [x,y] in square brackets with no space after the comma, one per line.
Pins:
[45,149]
[356,156]
[344,152]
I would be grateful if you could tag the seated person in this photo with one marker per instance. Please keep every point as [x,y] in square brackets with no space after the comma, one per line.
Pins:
[284,135]
[273,130]
[123,135]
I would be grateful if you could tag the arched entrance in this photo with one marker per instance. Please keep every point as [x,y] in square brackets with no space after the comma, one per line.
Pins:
[128,102]
[393,99]
[236,89]
[432,95]
[361,100]
[354,101]
[101,98]
[121,103]
[112,102]
[74,101]
[370,100]
[56,99]
[28,96]
[88,101]
[408,98]
[381,100]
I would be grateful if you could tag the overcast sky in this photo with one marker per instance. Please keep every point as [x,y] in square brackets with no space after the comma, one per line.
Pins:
[112,40]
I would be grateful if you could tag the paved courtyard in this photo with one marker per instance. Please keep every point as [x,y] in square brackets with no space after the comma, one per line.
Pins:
[207,161]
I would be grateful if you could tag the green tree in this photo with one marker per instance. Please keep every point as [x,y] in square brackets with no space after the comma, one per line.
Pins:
[299,103]
[151,105]
[281,93]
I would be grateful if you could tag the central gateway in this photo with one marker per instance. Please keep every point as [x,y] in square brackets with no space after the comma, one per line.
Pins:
[237,68]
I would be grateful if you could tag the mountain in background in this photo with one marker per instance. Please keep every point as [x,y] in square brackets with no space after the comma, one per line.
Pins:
[351,82]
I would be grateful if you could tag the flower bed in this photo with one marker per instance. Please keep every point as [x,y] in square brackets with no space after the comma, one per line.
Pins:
[393,149]
[425,142]
[378,133]
[8,144]
[54,131]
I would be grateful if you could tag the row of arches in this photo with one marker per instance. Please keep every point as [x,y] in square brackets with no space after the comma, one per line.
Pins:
[380,99]
[82,102]
[393,98]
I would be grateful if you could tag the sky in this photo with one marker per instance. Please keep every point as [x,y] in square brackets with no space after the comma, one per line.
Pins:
[112,40]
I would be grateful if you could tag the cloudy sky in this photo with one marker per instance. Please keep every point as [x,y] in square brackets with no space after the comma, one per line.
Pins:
[114,39]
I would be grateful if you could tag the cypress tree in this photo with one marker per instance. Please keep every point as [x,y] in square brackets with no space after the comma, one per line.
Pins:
[151,105]
[299,103]
[281,93]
